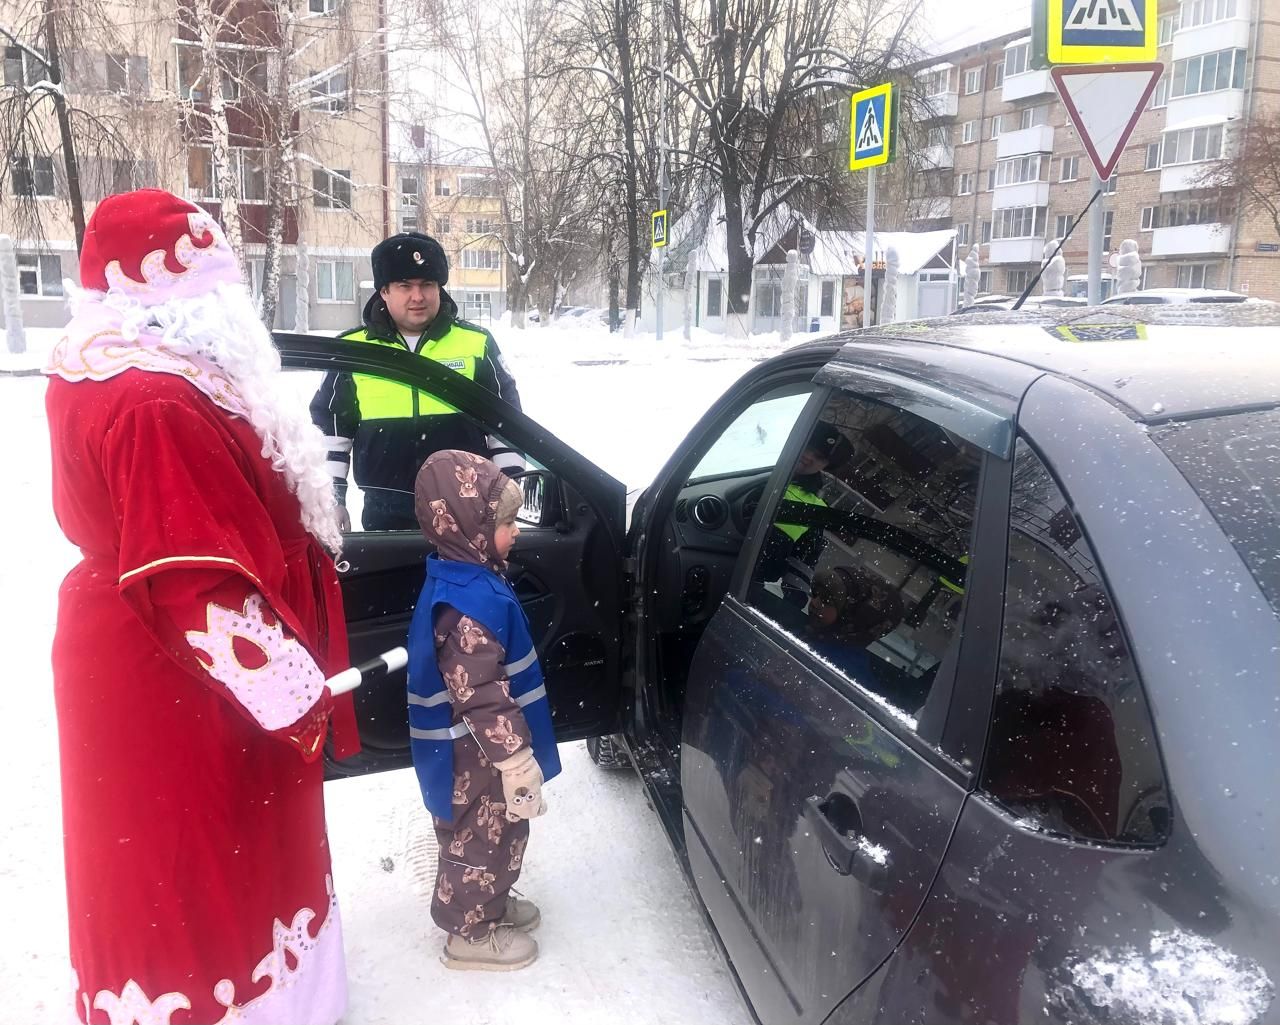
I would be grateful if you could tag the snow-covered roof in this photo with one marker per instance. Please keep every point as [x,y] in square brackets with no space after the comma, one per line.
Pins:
[835,253]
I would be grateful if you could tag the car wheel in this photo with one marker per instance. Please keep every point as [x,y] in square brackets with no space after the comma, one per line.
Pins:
[607,753]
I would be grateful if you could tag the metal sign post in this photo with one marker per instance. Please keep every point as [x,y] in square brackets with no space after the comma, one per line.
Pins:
[873,124]
[1097,220]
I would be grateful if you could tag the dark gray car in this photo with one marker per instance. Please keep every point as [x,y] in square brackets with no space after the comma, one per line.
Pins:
[950,654]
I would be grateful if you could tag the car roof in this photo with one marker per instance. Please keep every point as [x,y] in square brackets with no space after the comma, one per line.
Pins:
[1179,293]
[1156,362]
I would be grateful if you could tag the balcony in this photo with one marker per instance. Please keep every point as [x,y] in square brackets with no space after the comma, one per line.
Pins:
[1023,194]
[930,208]
[1016,250]
[1231,34]
[940,105]
[940,156]
[1191,240]
[1026,85]
[1025,140]
[1225,104]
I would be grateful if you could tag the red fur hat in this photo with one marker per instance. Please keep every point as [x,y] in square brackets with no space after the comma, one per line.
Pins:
[153,247]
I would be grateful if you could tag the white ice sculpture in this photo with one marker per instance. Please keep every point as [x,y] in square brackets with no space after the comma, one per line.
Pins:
[1128,267]
[1054,278]
[889,300]
[972,275]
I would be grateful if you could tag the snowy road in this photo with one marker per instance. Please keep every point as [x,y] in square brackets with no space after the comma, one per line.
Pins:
[622,939]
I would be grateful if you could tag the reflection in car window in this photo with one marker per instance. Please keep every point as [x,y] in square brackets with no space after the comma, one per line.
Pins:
[1233,462]
[865,562]
[1072,746]
[754,440]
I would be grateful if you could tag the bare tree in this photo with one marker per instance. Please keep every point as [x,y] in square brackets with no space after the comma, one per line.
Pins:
[758,73]
[40,120]
[1250,175]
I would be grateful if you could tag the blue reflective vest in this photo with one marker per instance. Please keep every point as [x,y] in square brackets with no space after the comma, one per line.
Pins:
[481,594]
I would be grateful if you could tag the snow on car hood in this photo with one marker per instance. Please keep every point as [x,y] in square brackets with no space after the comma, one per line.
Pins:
[1183,979]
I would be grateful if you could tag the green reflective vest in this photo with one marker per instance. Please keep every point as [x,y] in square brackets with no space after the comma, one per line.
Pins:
[795,493]
[461,350]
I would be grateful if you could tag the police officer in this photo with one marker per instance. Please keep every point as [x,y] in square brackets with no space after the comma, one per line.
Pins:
[384,430]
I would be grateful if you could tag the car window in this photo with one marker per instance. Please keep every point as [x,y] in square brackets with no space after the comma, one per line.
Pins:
[1233,462]
[755,438]
[1072,749]
[379,433]
[865,562]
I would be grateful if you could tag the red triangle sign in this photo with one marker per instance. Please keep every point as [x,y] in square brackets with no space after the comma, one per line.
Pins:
[1104,102]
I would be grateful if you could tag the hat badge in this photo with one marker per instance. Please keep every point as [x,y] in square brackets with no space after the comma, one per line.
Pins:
[417,257]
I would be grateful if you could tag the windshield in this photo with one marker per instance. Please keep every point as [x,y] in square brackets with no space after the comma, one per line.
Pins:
[1233,462]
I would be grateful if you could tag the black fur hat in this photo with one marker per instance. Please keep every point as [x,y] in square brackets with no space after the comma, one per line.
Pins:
[409,256]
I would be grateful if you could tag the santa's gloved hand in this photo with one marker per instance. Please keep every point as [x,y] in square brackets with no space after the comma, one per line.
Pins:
[522,786]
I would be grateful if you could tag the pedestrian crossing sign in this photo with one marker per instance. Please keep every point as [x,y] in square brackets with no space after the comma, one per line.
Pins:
[1102,31]
[872,127]
[659,229]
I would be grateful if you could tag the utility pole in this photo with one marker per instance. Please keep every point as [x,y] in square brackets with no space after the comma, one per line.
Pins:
[662,156]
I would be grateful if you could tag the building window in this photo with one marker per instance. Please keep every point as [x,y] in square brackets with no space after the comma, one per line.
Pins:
[1160,95]
[332,189]
[1192,211]
[997,124]
[335,281]
[935,83]
[1072,746]
[1153,156]
[715,297]
[481,259]
[251,173]
[991,180]
[444,187]
[985,279]
[1110,185]
[1165,29]
[1070,169]
[409,196]
[190,69]
[418,136]
[39,275]
[1034,167]
[1015,281]
[331,94]
[32,176]
[827,299]
[997,74]
[1192,145]
[1015,59]
[973,81]
[1030,117]
[1205,12]
[444,225]
[1207,73]
[1150,218]
[202,183]
[1107,220]
[476,185]
[1062,225]
[21,68]
[1021,222]
[118,73]
[479,226]
[322,6]
[1195,275]
[969,132]
[986,231]
[965,183]
[963,234]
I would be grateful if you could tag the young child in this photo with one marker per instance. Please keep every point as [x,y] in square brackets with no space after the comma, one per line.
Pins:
[479,722]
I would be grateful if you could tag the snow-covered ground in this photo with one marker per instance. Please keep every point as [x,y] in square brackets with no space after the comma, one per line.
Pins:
[636,951]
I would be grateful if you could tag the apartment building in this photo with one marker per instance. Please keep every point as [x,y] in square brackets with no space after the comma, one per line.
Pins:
[457,204]
[1004,166]
[146,75]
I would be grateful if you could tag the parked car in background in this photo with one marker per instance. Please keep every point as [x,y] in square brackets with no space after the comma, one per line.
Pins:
[1032,302]
[947,651]
[1163,296]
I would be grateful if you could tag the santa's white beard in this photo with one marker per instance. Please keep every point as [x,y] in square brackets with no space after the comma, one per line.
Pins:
[224,328]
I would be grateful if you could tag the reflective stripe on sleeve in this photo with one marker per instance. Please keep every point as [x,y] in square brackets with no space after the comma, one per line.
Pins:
[452,733]
[520,666]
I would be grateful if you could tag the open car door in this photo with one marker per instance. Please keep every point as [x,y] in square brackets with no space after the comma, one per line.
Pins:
[567,568]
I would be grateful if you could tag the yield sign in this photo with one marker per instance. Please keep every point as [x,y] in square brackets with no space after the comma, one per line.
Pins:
[1104,102]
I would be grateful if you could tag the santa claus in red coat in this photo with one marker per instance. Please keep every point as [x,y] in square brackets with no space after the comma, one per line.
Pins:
[193,641]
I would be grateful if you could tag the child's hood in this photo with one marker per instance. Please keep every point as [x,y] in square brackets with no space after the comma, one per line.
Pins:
[456,499]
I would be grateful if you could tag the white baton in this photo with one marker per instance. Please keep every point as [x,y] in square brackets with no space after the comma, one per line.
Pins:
[350,679]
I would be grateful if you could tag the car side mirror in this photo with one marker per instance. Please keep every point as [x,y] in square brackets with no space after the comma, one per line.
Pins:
[538,489]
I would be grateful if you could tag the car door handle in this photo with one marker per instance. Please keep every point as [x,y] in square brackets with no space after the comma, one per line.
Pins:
[849,852]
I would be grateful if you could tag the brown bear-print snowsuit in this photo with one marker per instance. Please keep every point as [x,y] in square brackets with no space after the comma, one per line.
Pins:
[481,851]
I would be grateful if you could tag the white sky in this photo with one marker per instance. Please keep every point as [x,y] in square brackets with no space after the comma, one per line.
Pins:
[954,20]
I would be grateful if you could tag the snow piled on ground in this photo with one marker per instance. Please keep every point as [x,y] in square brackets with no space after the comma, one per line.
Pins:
[622,938]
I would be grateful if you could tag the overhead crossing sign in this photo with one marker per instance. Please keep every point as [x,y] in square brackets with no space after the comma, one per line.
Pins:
[872,127]
[1101,31]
